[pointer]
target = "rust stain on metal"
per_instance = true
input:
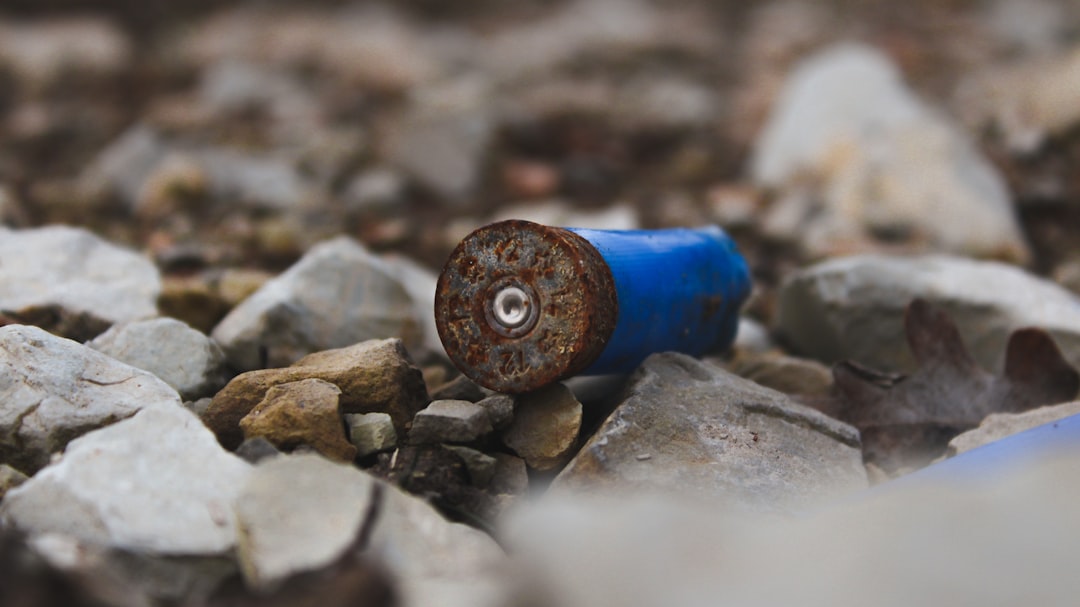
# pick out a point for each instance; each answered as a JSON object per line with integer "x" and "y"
{"x": 520, "y": 305}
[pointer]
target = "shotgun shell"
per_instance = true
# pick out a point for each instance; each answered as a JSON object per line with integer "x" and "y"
{"x": 520, "y": 305}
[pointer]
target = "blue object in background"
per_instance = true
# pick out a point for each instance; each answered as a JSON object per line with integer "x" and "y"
{"x": 677, "y": 290}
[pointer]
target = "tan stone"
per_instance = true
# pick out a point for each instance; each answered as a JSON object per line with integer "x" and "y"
{"x": 374, "y": 376}
{"x": 545, "y": 427}
{"x": 298, "y": 413}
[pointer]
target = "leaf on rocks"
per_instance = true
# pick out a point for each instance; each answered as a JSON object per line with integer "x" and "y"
{"x": 908, "y": 420}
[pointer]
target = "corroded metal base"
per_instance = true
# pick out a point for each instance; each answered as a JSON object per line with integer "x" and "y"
{"x": 520, "y": 305}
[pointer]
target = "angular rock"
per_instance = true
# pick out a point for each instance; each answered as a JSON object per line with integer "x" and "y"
{"x": 338, "y": 294}
{"x": 299, "y": 513}
{"x": 419, "y": 282}
{"x": 304, "y": 412}
{"x": 9, "y": 479}
{"x": 459, "y": 388}
{"x": 511, "y": 475}
{"x": 77, "y": 272}
{"x": 449, "y": 421}
{"x": 255, "y": 450}
{"x": 53, "y": 390}
{"x": 371, "y": 433}
{"x": 690, "y": 427}
{"x": 545, "y": 427}
{"x": 480, "y": 465}
{"x": 156, "y": 482}
{"x": 500, "y": 410}
{"x": 888, "y": 165}
{"x": 1000, "y": 425}
{"x": 787, "y": 374}
{"x": 374, "y": 376}
{"x": 186, "y": 359}
{"x": 853, "y": 308}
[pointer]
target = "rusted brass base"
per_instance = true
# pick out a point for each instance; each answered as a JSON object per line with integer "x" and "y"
{"x": 558, "y": 271}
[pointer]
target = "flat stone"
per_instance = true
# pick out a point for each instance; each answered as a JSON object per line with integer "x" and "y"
{"x": 156, "y": 482}
{"x": 374, "y": 376}
{"x": 853, "y": 308}
{"x": 9, "y": 479}
{"x": 887, "y": 164}
{"x": 545, "y": 427}
{"x": 371, "y": 432}
{"x": 53, "y": 390}
{"x": 298, "y": 513}
{"x": 337, "y": 295}
{"x": 449, "y": 421}
{"x": 691, "y": 427}
{"x": 186, "y": 359}
{"x": 75, "y": 271}
{"x": 999, "y": 425}
{"x": 304, "y": 412}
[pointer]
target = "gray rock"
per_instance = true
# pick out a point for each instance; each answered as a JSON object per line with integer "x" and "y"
{"x": 9, "y": 479}
{"x": 691, "y": 427}
{"x": 338, "y": 294}
{"x": 156, "y": 482}
{"x": 419, "y": 283}
{"x": 511, "y": 475}
{"x": 255, "y": 450}
{"x": 53, "y": 390}
{"x": 994, "y": 541}
{"x": 1000, "y": 425}
{"x": 124, "y": 165}
{"x": 449, "y": 421}
{"x": 376, "y": 189}
{"x": 263, "y": 182}
{"x": 887, "y": 163}
{"x": 752, "y": 336}
{"x": 298, "y": 513}
{"x": 434, "y": 561}
{"x": 500, "y": 410}
{"x": 545, "y": 427}
{"x": 443, "y": 139}
{"x": 480, "y": 465}
{"x": 77, "y": 271}
{"x": 186, "y": 359}
{"x": 371, "y": 432}
{"x": 853, "y": 308}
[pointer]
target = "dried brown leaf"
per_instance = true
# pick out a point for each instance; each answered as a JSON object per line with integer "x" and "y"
{"x": 909, "y": 420}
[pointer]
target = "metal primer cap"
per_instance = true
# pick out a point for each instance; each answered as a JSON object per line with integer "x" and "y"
{"x": 520, "y": 305}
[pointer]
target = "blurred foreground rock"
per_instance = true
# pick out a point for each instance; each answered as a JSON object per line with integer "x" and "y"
{"x": 691, "y": 428}
{"x": 1005, "y": 540}
{"x": 853, "y": 308}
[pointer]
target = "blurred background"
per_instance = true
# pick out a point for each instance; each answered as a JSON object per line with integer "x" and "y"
{"x": 226, "y": 135}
